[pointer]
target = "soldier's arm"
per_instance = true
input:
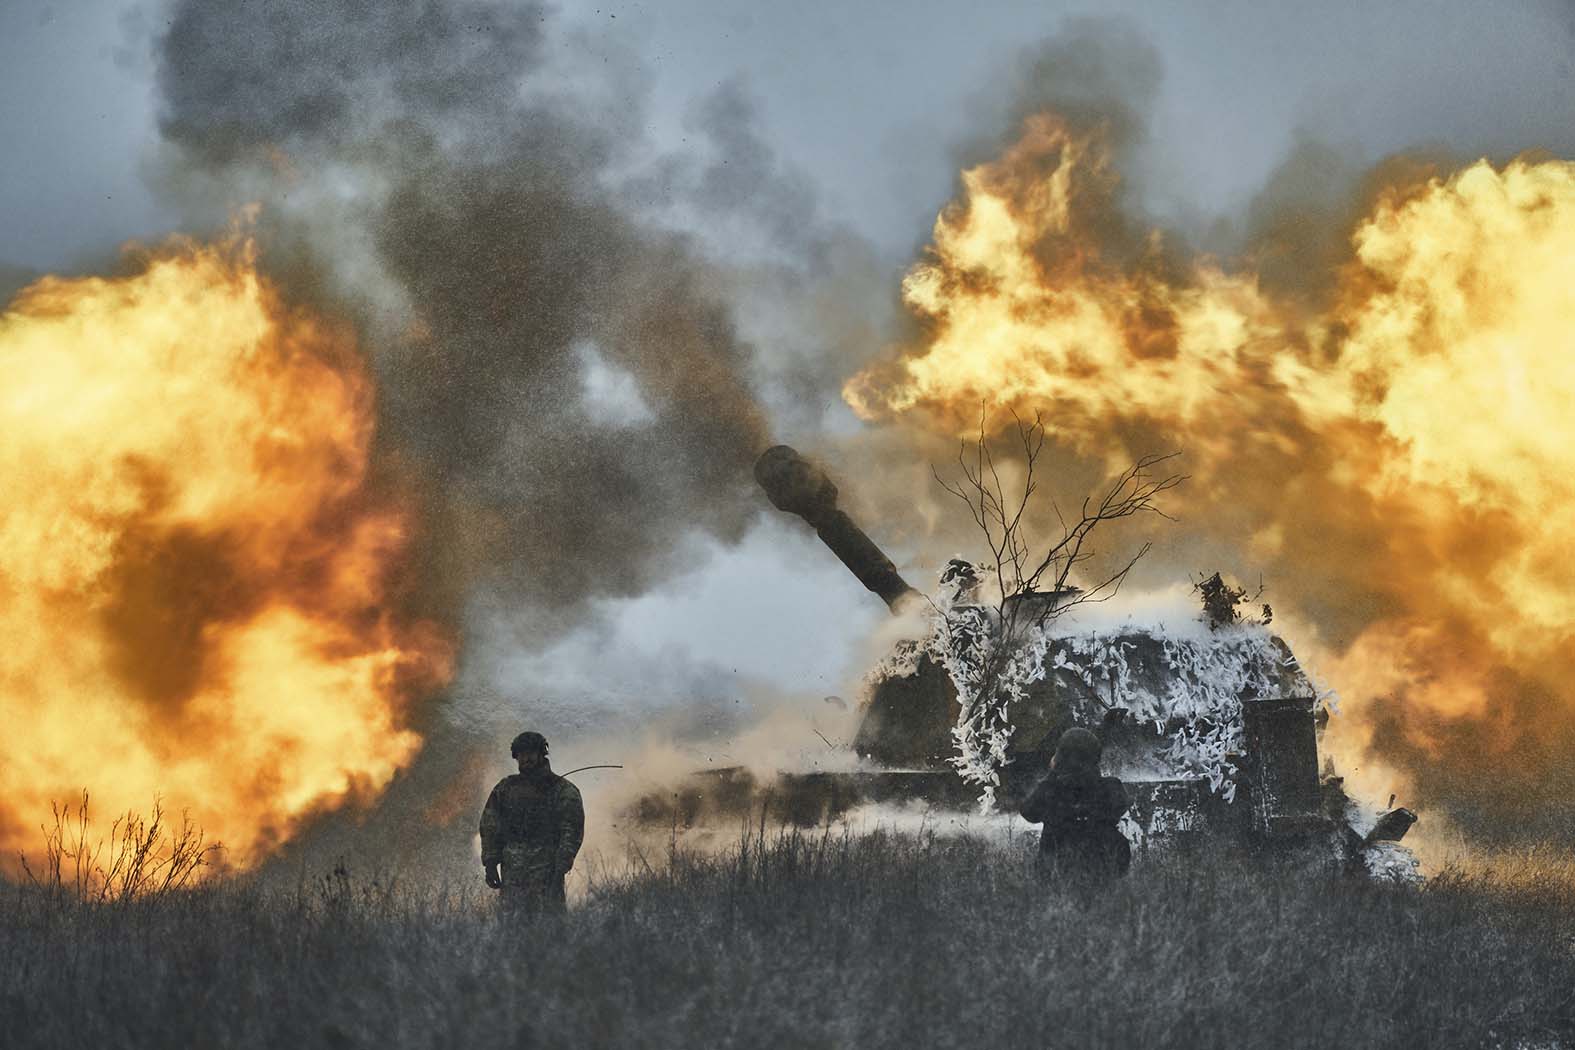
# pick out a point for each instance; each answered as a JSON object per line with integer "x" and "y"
{"x": 1036, "y": 807}
{"x": 491, "y": 828}
{"x": 571, "y": 825}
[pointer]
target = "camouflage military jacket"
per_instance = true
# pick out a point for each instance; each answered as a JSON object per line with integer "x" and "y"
{"x": 533, "y": 826}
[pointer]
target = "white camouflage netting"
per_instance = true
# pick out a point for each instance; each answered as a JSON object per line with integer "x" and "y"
{"x": 1186, "y": 680}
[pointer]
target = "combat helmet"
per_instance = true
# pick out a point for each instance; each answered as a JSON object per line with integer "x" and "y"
{"x": 529, "y": 741}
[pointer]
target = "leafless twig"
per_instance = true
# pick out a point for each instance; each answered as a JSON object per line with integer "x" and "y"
{"x": 1023, "y": 568}
{"x": 1026, "y": 568}
{"x": 140, "y": 858}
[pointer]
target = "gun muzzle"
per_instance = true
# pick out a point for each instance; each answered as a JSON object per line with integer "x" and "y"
{"x": 797, "y": 486}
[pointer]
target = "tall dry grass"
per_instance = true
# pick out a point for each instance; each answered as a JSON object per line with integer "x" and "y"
{"x": 796, "y": 940}
{"x": 141, "y": 857}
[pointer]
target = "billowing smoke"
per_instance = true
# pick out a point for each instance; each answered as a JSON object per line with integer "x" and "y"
{"x": 559, "y": 322}
{"x": 560, "y": 375}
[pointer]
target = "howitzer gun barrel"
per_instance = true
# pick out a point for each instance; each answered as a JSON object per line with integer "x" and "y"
{"x": 797, "y": 486}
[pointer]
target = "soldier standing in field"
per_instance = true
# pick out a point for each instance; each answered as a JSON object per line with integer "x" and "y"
{"x": 1080, "y": 810}
{"x": 531, "y": 829}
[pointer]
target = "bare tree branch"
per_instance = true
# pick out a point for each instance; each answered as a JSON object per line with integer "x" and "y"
{"x": 1025, "y": 566}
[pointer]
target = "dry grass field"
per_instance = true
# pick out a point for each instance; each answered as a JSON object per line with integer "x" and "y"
{"x": 883, "y": 940}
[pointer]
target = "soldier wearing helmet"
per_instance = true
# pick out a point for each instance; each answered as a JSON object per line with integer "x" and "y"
{"x": 531, "y": 830}
{"x": 1080, "y": 810}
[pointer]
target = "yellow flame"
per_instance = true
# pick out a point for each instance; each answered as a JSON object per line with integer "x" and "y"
{"x": 194, "y": 573}
{"x": 1021, "y": 309}
{"x": 1407, "y": 446}
{"x": 1459, "y": 326}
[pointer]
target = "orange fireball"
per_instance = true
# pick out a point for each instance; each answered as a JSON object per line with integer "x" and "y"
{"x": 1399, "y": 459}
{"x": 196, "y": 579}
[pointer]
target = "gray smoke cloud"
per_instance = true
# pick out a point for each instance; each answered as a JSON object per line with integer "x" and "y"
{"x": 1095, "y": 70}
{"x": 13, "y": 279}
{"x": 562, "y": 376}
{"x": 480, "y": 206}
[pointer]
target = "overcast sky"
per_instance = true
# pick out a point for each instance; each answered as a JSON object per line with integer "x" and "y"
{"x": 867, "y": 100}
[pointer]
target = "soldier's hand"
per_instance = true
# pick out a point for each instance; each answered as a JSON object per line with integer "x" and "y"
{"x": 493, "y": 878}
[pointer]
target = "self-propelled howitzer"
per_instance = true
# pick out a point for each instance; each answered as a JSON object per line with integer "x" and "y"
{"x": 1161, "y": 699}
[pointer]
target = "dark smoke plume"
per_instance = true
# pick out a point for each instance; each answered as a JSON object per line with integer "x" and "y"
{"x": 562, "y": 380}
{"x": 484, "y": 203}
